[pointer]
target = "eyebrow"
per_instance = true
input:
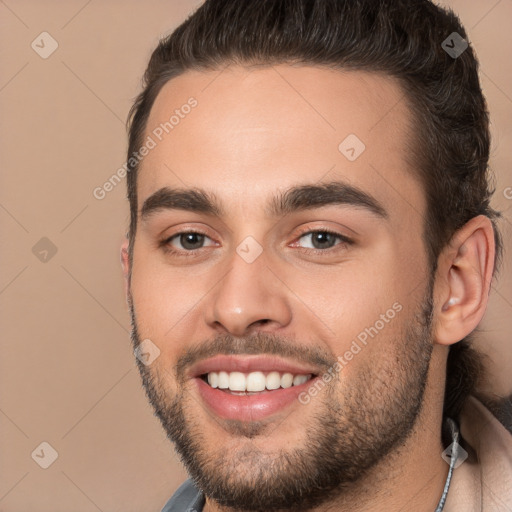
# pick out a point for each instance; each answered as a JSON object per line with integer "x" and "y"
{"x": 294, "y": 199}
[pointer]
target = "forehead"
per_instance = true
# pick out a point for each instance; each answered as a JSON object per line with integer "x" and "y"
{"x": 252, "y": 130}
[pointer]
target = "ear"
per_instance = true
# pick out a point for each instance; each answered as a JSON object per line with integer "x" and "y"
{"x": 463, "y": 281}
{"x": 125, "y": 265}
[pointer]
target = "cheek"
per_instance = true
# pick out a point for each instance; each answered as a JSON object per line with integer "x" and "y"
{"x": 155, "y": 301}
{"x": 350, "y": 298}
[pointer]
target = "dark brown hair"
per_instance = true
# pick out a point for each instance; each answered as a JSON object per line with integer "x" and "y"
{"x": 400, "y": 38}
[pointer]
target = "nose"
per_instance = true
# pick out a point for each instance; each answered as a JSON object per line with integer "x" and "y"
{"x": 248, "y": 297}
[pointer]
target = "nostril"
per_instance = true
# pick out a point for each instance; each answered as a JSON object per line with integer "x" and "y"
{"x": 261, "y": 322}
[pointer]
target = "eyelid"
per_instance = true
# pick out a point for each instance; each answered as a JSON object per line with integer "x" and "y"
{"x": 321, "y": 229}
{"x": 344, "y": 240}
{"x": 194, "y": 231}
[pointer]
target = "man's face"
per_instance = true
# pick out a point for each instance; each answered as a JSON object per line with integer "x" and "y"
{"x": 282, "y": 286}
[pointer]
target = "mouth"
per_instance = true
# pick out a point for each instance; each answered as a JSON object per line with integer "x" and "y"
{"x": 251, "y": 388}
{"x": 239, "y": 383}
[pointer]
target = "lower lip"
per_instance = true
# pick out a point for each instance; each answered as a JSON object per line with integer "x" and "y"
{"x": 248, "y": 408}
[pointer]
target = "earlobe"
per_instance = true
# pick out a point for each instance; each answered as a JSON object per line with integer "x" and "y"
{"x": 463, "y": 281}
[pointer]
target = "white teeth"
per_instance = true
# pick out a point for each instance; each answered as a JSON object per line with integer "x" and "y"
{"x": 286, "y": 380}
{"x": 273, "y": 380}
{"x": 237, "y": 381}
{"x": 255, "y": 381}
{"x": 223, "y": 380}
{"x": 300, "y": 379}
{"x": 213, "y": 379}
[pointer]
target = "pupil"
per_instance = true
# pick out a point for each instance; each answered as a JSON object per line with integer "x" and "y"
{"x": 322, "y": 237}
{"x": 191, "y": 239}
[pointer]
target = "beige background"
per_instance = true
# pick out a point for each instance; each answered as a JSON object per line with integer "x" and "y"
{"x": 67, "y": 374}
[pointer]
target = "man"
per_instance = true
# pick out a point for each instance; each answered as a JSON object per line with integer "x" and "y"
{"x": 311, "y": 246}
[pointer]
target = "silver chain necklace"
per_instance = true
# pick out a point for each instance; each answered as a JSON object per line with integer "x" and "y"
{"x": 453, "y": 459}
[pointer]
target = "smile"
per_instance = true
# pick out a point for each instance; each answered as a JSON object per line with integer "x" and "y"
{"x": 254, "y": 382}
{"x": 250, "y": 388}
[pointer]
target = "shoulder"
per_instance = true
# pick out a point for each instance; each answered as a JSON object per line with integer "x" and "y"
{"x": 483, "y": 481}
{"x": 188, "y": 498}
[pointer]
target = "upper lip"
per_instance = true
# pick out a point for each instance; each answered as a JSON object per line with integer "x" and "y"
{"x": 248, "y": 364}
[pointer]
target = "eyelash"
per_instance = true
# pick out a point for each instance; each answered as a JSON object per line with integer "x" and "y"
{"x": 344, "y": 241}
{"x": 165, "y": 244}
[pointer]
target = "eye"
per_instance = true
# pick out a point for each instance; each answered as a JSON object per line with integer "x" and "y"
{"x": 322, "y": 240}
{"x": 186, "y": 241}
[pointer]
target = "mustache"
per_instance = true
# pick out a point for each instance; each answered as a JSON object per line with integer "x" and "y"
{"x": 261, "y": 343}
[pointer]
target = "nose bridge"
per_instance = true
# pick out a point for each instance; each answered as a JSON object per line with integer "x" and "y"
{"x": 248, "y": 293}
